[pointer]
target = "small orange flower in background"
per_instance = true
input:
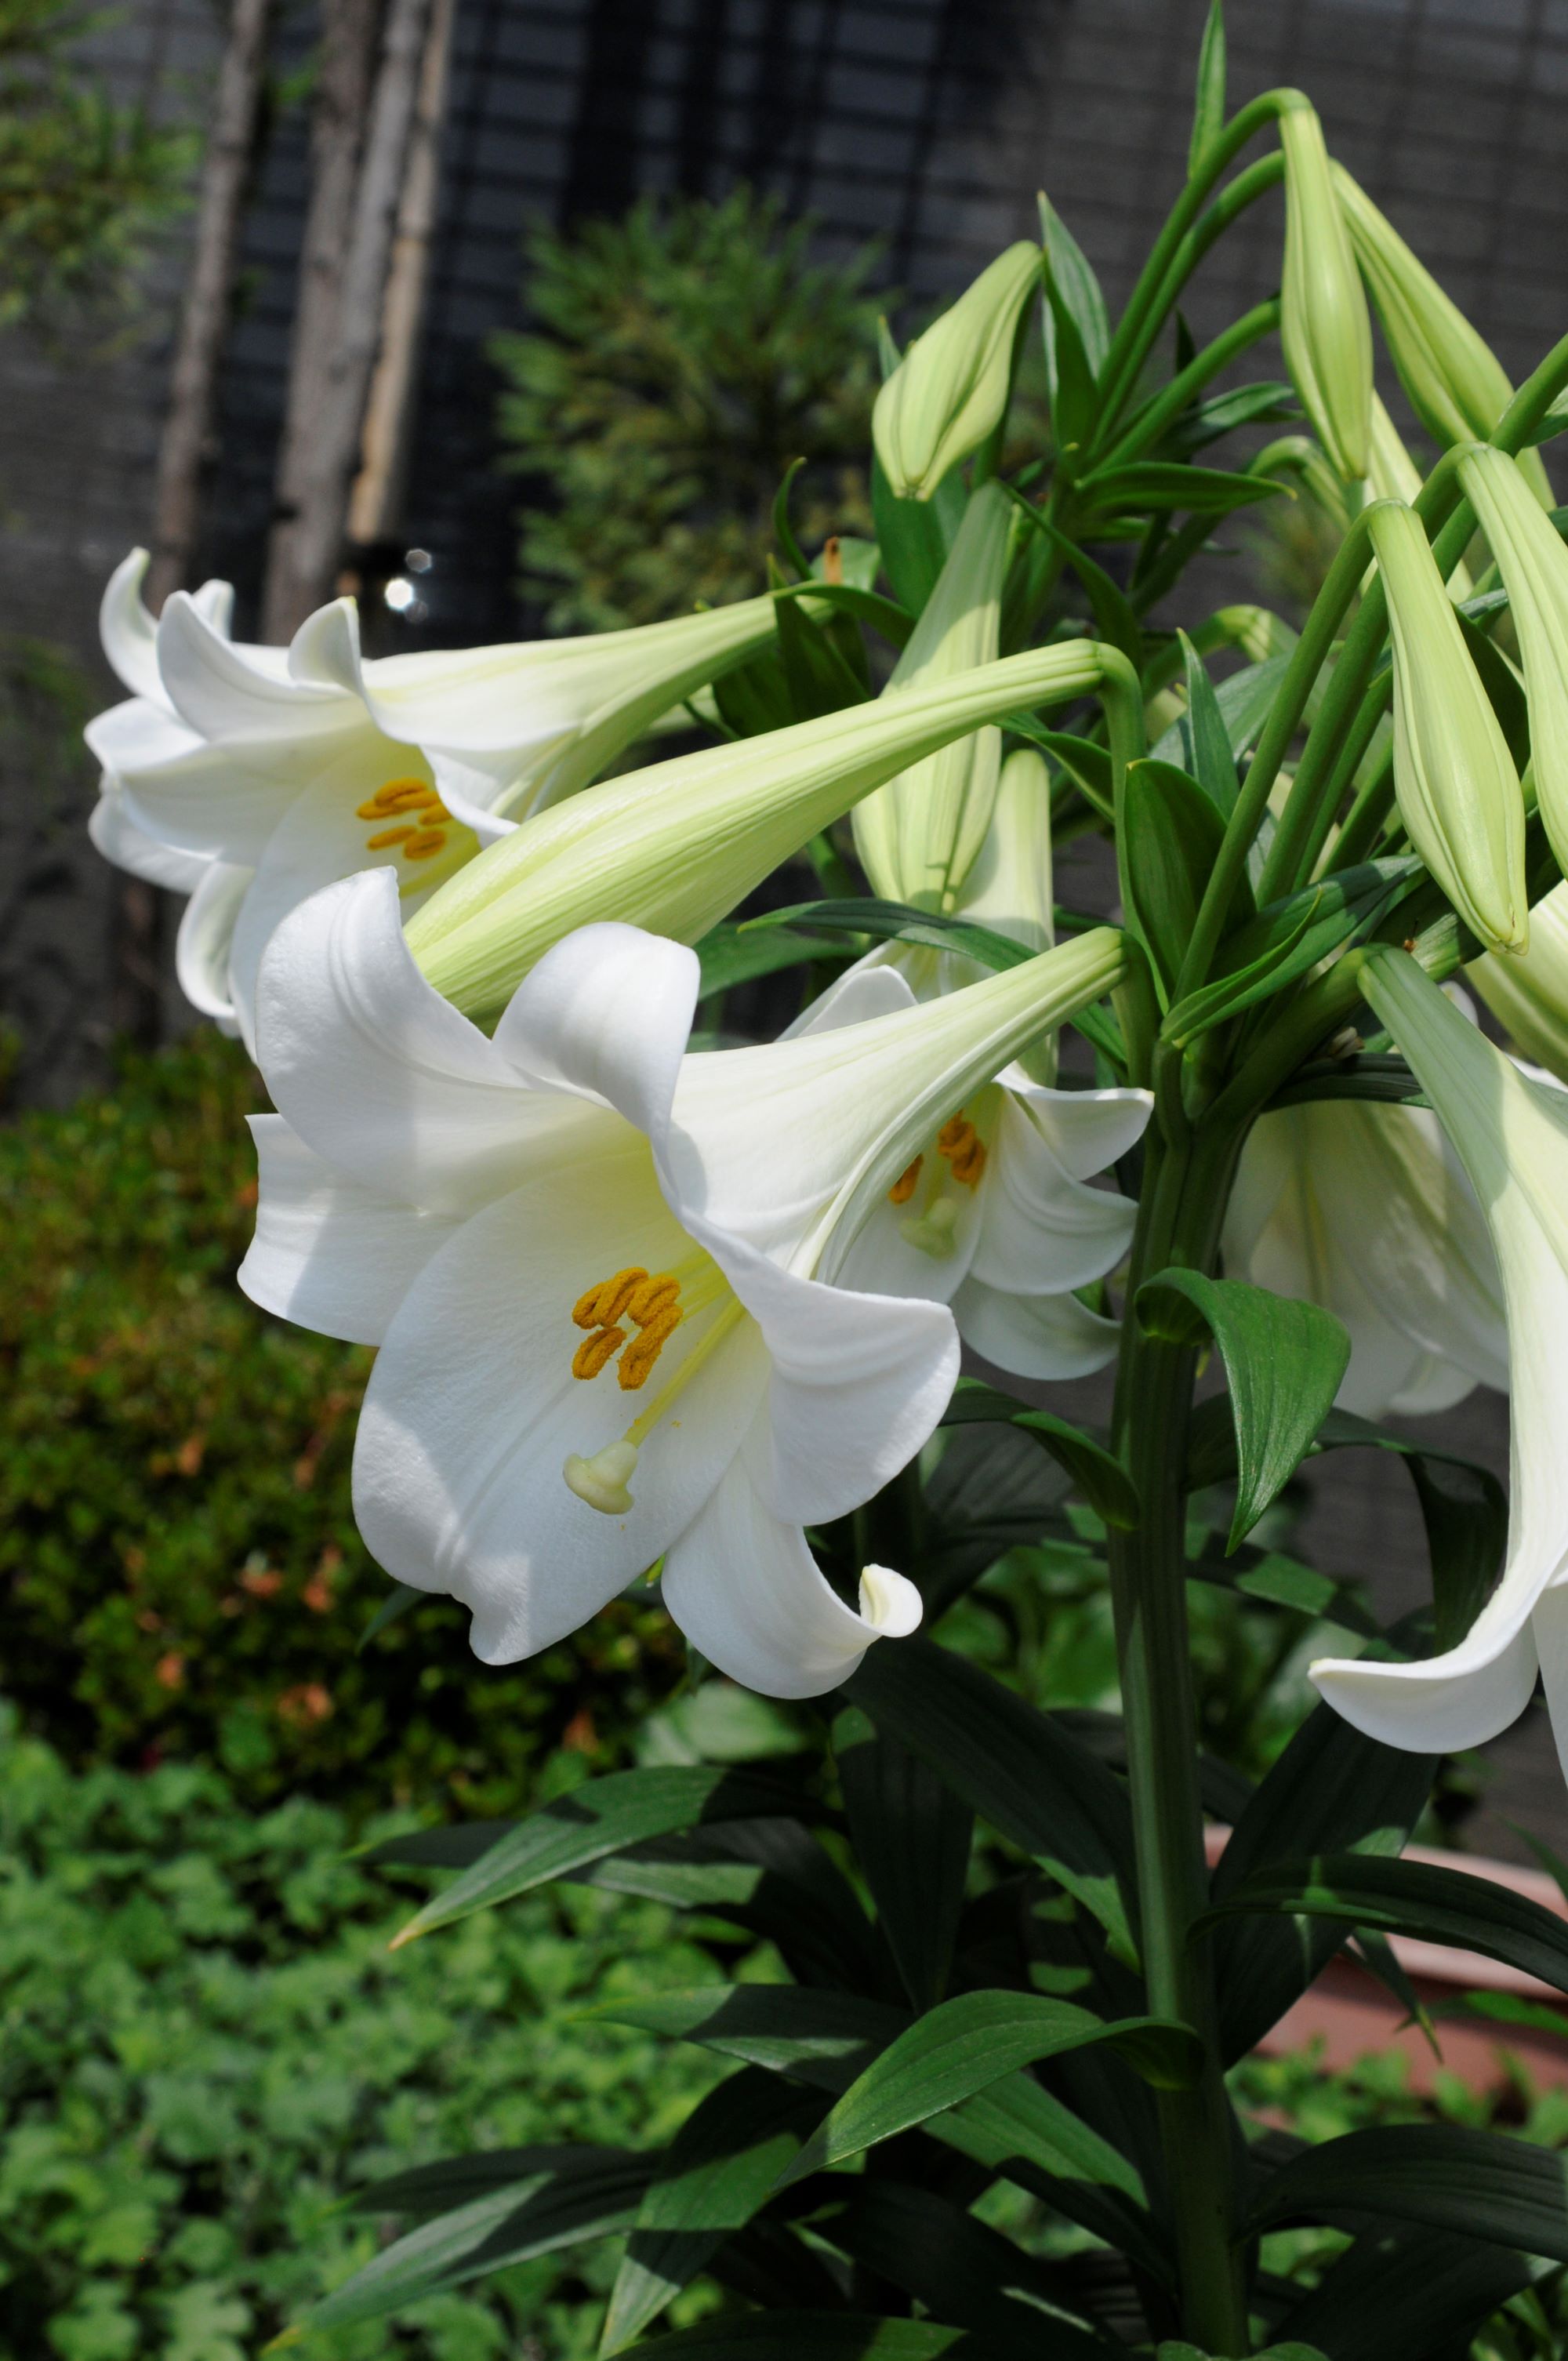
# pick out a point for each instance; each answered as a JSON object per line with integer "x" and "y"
{"x": 319, "y": 1592}
{"x": 170, "y": 1669}
{"x": 305, "y": 1704}
{"x": 261, "y": 1581}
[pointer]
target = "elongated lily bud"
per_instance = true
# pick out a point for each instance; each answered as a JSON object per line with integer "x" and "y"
{"x": 1323, "y": 322}
{"x": 1456, "y": 385}
{"x": 1534, "y": 566}
{"x": 1009, "y": 888}
{"x": 1530, "y": 994}
{"x": 949, "y": 392}
{"x": 675, "y": 847}
{"x": 918, "y": 836}
{"x": 1458, "y": 792}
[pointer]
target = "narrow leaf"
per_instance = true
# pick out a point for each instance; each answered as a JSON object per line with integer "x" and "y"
{"x": 893, "y": 922}
{"x": 603, "y": 1816}
{"x": 1284, "y": 1364}
{"x": 1073, "y": 276}
{"x": 1289, "y": 938}
{"x": 730, "y": 957}
{"x": 1171, "y": 836}
{"x": 962, "y": 2046}
{"x": 914, "y": 536}
{"x": 826, "y": 2336}
{"x": 1202, "y": 725}
{"x": 1102, "y": 1480}
{"x": 393, "y": 1607}
{"x": 1164, "y": 485}
{"x": 1417, "y": 2294}
{"x": 912, "y": 1837}
{"x": 1476, "y": 2184}
{"x": 1113, "y": 617}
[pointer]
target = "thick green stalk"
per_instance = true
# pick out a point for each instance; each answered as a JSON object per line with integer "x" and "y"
{"x": 1183, "y": 1199}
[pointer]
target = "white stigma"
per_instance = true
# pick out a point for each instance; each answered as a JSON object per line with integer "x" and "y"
{"x": 602, "y": 1480}
{"x": 932, "y": 1231}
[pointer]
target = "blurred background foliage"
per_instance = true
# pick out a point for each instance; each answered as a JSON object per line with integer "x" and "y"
{"x": 679, "y": 359}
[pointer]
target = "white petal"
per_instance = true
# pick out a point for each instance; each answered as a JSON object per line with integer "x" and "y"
{"x": 1432, "y": 1385}
{"x": 857, "y": 1384}
{"x": 325, "y": 650}
{"x": 214, "y": 604}
{"x": 222, "y": 801}
{"x": 863, "y": 991}
{"x": 472, "y": 1410}
{"x": 129, "y": 736}
{"x": 329, "y": 1254}
{"x": 1086, "y": 1130}
{"x": 127, "y": 630}
{"x": 383, "y": 1077}
{"x": 322, "y": 838}
{"x": 224, "y": 691}
{"x": 746, "y": 1590}
{"x": 1447, "y": 1702}
{"x": 1033, "y": 1336}
{"x": 1042, "y": 1231}
{"x": 205, "y": 938}
{"x": 606, "y": 1013}
{"x": 117, "y": 836}
{"x": 882, "y": 1259}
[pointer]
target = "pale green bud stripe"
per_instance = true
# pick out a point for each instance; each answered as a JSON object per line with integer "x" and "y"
{"x": 1458, "y": 792}
{"x": 1323, "y": 325}
{"x": 675, "y": 847}
{"x": 950, "y": 390}
{"x": 966, "y": 1040}
{"x": 1533, "y": 564}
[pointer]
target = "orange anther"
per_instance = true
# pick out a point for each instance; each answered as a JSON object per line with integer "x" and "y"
{"x": 608, "y": 1297}
{"x": 595, "y": 1351}
{"x": 654, "y": 1296}
{"x": 908, "y": 1180}
{"x": 953, "y": 1133}
{"x": 644, "y": 1350}
{"x": 380, "y": 842}
{"x": 424, "y": 842}
{"x": 969, "y": 1162}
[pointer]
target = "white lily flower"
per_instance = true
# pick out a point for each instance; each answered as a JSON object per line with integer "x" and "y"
{"x": 536, "y": 1226}
{"x": 994, "y": 1215}
{"x": 301, "y": 766}
{"x": 1511, "y": 1135}
{"x": 1529, "y": 991}
{"x": 1367, "y": 1211}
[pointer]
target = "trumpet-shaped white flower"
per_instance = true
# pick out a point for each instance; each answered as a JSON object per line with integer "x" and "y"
{"x": 1511, "y": 1135}
{"x": 281, "y": 771}
{"x": 1367, "y": 1211}
{"x": 993, "y": 1216}
{"x": 596, "y": 1268}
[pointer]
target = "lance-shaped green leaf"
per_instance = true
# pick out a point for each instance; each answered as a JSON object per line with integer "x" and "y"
{"x": 730, "y": 957}
{"x": 1170, "y": 842}
{"x": 1243, "y": 699}
{"x": 1166, "y": 488}
{"x": 961, "y": 2270}
{"x": 820, "y": 2037}
{"x": 714, "y": 2177}
{"x": 1478, "y": 2184}
{"x": 1331, "y": 1790}
{"x": 892, "y": 922}
{"x": 1419, "y": 2293}
{"x": 1205, "y": 736}
{"x": 912, "y": 1837}
{"x": 914, "y": 536}
{"x": 1113, "y": 617}
{"x": 1016, "y": 1767}
{"x": 1072, "y": 275}
{"x": 1287, "y": 939}
{"x": 962, "y": 2046}
{"x": 674, "y": 847}
{"x": 1324, "y": 328}
{"x": 598, "y": 2194}
{"x": 1284, "y": 1362}
{"x": 1412, "y": 1898}
{"x": 603, "y": 1816}
{"x": 456, "y": 2180}
{"x": 1102, "y": 1479}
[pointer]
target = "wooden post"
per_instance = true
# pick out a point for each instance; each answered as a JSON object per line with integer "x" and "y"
{"x": 330, "y": 453}
{"x": 350, "y": 29}
{"x": 193, "y": 388}
{"x": 376, "y": 502}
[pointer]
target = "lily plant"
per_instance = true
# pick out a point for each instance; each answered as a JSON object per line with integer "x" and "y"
{"x": 1114, "y": 958}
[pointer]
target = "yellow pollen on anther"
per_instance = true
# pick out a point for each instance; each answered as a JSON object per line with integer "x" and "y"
{"x": 594, "y": 1351}
{"x": 386, "y": 836}
{"x": 653, "y": 1303}
{"x": 908, "y": 1180}
{"x": 965, "y": 1150}
{"x": 603, "y": 1303}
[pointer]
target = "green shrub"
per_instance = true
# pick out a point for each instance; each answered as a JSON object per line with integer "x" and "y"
{"x": 208, "y": 2046}
{"x": 680, "y": 359}
{"x": 180, "y": 1574}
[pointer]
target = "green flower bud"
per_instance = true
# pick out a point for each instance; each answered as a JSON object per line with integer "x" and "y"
{"x": 949, "y": 392}
{"x": 1458, "y": 792}
{"x": 918, "y": 837}
{"x": 1528, "y": 993}
{"x": 674, "y": 847}
{"x": 1323, "y": 322}
{"x": 1455, "y": 381}
{"x": 1534, "y": 566}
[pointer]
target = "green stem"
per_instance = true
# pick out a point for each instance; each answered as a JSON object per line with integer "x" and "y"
{"x": 1533, "y": 400}
{"x": 1183, "y": 1199}
{"x": 1150, "y": 422}
{"x": 1158, "y": 285}
{"x": 1366, "y": 815}
{"x": 1307, "y": 660}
